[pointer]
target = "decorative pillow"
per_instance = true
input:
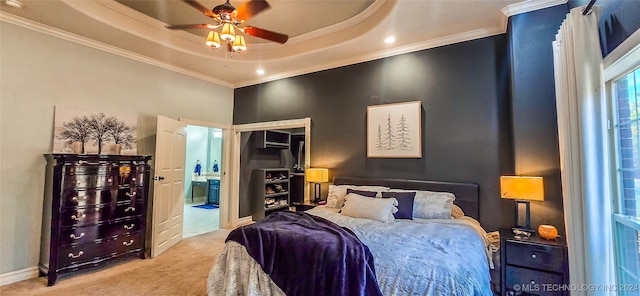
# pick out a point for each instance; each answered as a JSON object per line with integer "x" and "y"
{"x": 456, "y": 212}
{"x": 362, "y": 192}
{"x": 405, "y": 203}
{"x": 335, "y": 198}
{"x": 379, "y": 209}
{"x": 431, "y": 204}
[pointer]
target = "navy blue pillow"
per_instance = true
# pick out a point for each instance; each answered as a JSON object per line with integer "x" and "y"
{"x": 405, "y": 203}
{"x": 362, "y": 192}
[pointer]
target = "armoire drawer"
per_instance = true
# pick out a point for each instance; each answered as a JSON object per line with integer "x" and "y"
{"x": 90, "y": 252}
{"x": 135, "y": 178}
{"x": 82, "y": 198}
{"x": 88, "y": 169}
{"x": 94, "y": 215}
{"x": 87, "y": 181}
{"x": 86, "y": 234}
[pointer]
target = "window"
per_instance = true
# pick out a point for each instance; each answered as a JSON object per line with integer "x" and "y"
{"x": 626, "y": 216}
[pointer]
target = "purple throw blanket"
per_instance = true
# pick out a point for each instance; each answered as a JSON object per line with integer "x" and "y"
{"x": 308, "y": 255}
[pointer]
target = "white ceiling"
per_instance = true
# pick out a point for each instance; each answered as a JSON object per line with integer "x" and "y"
{"x": 323, "y": 34}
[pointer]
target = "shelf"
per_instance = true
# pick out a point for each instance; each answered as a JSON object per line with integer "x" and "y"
{"x": 278, "y": 190}
{"x": 274, "y": 143}
{"x": 276, "y": 194}
{"x": 278, "y": 207}
{"x": 272, "y": 139}
{"x": 276, "y": 181}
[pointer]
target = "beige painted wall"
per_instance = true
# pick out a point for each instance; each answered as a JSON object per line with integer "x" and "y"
{"x": 37, "y": 72}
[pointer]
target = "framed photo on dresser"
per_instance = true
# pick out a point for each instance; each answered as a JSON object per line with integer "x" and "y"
{"x": 79, "y": 131}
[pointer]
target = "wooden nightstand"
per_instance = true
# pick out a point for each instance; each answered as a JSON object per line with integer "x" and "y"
{"x": 304, "y": 206}
{"x": 533, "y": 266}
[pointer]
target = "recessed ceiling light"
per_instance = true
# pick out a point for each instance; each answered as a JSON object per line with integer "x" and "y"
{"x": 14, "y": 3}
{"x": 389, "y": 40}
{"x": 260, "y": 71}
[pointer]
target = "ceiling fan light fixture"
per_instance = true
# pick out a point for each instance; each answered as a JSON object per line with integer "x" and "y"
{"x": 226, "y": 21}
{"x": 228, "y": 33}
{"x": 213, "y": 39}
{"x": 239, "y": 44}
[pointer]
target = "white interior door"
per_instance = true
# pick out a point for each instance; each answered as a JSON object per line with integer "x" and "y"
{"x": 168, "y": 199}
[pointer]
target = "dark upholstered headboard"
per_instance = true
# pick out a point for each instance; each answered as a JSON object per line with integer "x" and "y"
{"x": 467, "y": 195}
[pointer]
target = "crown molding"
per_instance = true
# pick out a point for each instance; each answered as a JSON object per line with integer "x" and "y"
{"x": 530, "y": 5}
{"x": 51, "y": 31}
{"x": 446, "y": 40}
{"x": 136, "y": 23}
{"x": 146, "y": 22}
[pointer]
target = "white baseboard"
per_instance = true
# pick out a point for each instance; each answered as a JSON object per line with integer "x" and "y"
{"x": 18, "y": 275}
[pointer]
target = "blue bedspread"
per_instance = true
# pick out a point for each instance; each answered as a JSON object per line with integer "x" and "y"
{"x": 438, "y": 257}
{"x": 309, "y": 255}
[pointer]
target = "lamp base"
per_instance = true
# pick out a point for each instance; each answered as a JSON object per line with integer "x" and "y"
{"x": 318, "y": 194}
{"x": 522, "y": 222}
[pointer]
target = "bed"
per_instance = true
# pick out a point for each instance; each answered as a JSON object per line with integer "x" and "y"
{"x": 412, "y": 257}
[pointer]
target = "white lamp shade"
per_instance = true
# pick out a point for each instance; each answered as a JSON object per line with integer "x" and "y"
{"x": 317, "y": 175}
{"x": 239, "y": 44}
{"x": 521, "y": 187}
{"x": 228, "y": 33}
{"x": 213, "y": 39}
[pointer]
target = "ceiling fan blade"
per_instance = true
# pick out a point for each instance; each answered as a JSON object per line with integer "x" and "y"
{"x": 266, "y": 34}
{"x": 193, "y": 26}
{"x": 200, "y": 7}
{"x": 251, "y": 8}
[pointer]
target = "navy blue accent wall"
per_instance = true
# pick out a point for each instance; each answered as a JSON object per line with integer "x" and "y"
{"x": 535, "y": 125}
{"x": 618, "y": 20}
{"x": 466, "y": 128}
{"x": 488, "y": 109}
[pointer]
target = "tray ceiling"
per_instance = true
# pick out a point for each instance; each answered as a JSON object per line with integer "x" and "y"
{"x": 322, "y": 34}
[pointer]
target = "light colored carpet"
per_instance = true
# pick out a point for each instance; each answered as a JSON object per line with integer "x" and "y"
{"x": 181, "y": 270}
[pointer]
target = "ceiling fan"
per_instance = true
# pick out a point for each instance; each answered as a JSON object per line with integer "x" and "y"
{"x": 232, "y": 19}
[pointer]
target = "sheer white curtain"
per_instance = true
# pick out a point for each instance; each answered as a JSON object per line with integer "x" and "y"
{"x": 581, "y": 107}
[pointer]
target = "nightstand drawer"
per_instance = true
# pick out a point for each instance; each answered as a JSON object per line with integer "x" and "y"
{"x": 532, "y": 281}
{"x": 537, "y": 256}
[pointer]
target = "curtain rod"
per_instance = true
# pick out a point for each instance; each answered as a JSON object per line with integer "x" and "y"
{"x": 587, "y": 10}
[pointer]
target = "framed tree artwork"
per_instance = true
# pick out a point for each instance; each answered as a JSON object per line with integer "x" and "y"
{"x": 394, "y": 130}
{"x": 93, "y": 132}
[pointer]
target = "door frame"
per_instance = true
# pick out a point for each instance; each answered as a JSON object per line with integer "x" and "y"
{"x": 224, "y": 217}
{"x": 234, "y": 201}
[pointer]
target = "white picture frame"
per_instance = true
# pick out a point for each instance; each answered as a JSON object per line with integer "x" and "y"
{"x": 394, "y": 130}
{"x": 76, "y": 131}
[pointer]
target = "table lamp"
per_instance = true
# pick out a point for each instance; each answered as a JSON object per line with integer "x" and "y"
{"x": 522, "y": 189}
{"x": 317, "y": 176}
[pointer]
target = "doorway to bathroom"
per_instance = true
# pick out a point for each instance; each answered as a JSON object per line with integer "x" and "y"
{"x": 203, "y": 169}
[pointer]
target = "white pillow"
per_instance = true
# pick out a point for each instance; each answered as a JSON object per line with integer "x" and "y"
{"x": 379, "y": 209}
{"x": 431, "y": 204}
{"x": 335, "y": 198}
